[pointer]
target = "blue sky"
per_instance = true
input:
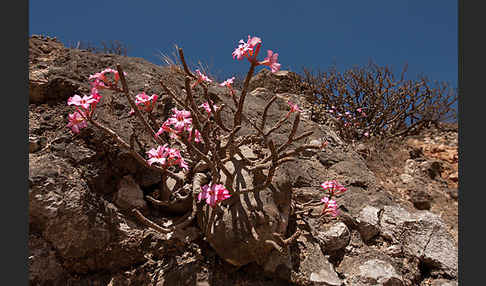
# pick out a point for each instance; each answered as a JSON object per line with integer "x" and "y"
{"x": 315, "y": 34}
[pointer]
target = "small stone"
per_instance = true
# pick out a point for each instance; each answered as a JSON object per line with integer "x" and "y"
{"x": 368, "y": 223}
{"x": 421, "y": 200}
{"x": 335, "y": 237}
{"x": 406, "y": 178}
{"x": 380, "y": 272}
{"x": 129, "y": 194}
{"x": 443, "y": 282}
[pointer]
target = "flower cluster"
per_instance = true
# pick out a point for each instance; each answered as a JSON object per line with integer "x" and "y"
{"x": 207, "y": 107}
{"x": 78, "y": 119}
{"x": 333, "y": 188}
{"x": 100, "y": 80}
{"x": 250, "y": 51}
{"x": 85, "y": 107}
{"x": 179, "y": 123}
{"x": 145, "y": 102}
{"x": 200, "y": 78}
{"x": 166, "y": 157}
{"x": 213, "y": 194}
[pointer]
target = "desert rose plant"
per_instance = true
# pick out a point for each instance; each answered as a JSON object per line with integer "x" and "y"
{"x": 198, "y": 141}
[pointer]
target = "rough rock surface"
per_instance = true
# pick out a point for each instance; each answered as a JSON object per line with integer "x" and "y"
{"x": 81, "y": 188}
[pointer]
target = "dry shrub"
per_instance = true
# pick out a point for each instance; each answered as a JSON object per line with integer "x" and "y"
{"x": 393, "y": 106}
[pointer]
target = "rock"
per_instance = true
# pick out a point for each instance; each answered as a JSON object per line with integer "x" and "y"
{"x": 423, "y": 235}
{"x": 443, "y": 282}
{"x": 267, "y": 212}
{"x": 129, "y": 195}
{"x": 313, "y": 267}
{"x": 373, "y": 272}
{"x": 421, "y": 199}
{"x": 148, "y": 178}
{"x": 368, "y": 222}
{"x": 44, "y": 267}
{"x": 432, "y": 168}
{"x": 328, "y": 157}
{"x": 453, "y": 193}
{"x": 334, "y": 237}
{"x": 416, "y": 152}
{"x": 279, "y": 82}
{"x": 35, "y": 144}
{"x": 454, "y": 176}
{"x": 354, "y": 172}
{"x": 85, "y": 231}
{"x": 406, "y": 178}
{"x": 410, "y": 167}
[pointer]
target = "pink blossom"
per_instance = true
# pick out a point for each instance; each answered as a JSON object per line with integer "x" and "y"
{"x": 84, "y": 101}
{"x": 359, "y": 109}
{"x": 101, "y": 81}
{"x": 228, "y": 82}
{"x": 158, "y": 155}
{"x": 77, "y": 121}
{"x": 333, "y": 187}
{"x": 293, "y": 108}
{"x": 247, "y": 49}
{"x": 174, "y": 158}
{"x": 166, "y": 157}
{"x": 181, "y": 119}
{"x": 271, "y": 61}
{"x": 207, "y": 107}
{"x": 330, "y": 206}
{"x": 197, "y": 135}
{"x": 164, "y": 128}
{"x": 145, "y": 102}
{"x": 213, "y": 194}
{"x": 200, "y": 78}
{"x": 366, "y": 134}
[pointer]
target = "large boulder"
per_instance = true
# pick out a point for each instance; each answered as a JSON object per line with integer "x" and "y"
{"x": 87, "y": 232}
{"x": 267, "y": 212}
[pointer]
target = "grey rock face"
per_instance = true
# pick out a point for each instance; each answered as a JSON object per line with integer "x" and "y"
{"x": 371, "y": 271}
{"x": 335, "y": 236}
{"x": 314, "y": 268}
{"x": 129, "y": 194}
{"x": 423, "y": 235}
{"x": 84, "y": 230}
{"x": 266, "y": 211}
{"x": 443, "y": 282}
{"x": 368, "y": 223}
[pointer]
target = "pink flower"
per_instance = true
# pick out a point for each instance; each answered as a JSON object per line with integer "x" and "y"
{"x": 208, "y": 108}
{"x": 293, "y": 108}
{"x": 366, "y": 134}
{"x": 77, "y": 121}
{"x": 271, "y": 61}
{"x": 85, "y": 101}
{"x": 164, "y": 128}
{"x": 181, "y": 119}
{"x": 359, "y": 109}
{"x": 333, "y": 187}
{"x": 197, "y": 135}
{"x": 101, "y": 81}
{"x": 247, "y": 49}
{"x": 174, "y": 158}
{"x": 330, "y": 206}
{"x": 213, "y": 194}
{"x": 228, "y": 82}
{"x": 158, "y": 155}
{"x": 200, "y": 78}
{"x": 145, "y": 102}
